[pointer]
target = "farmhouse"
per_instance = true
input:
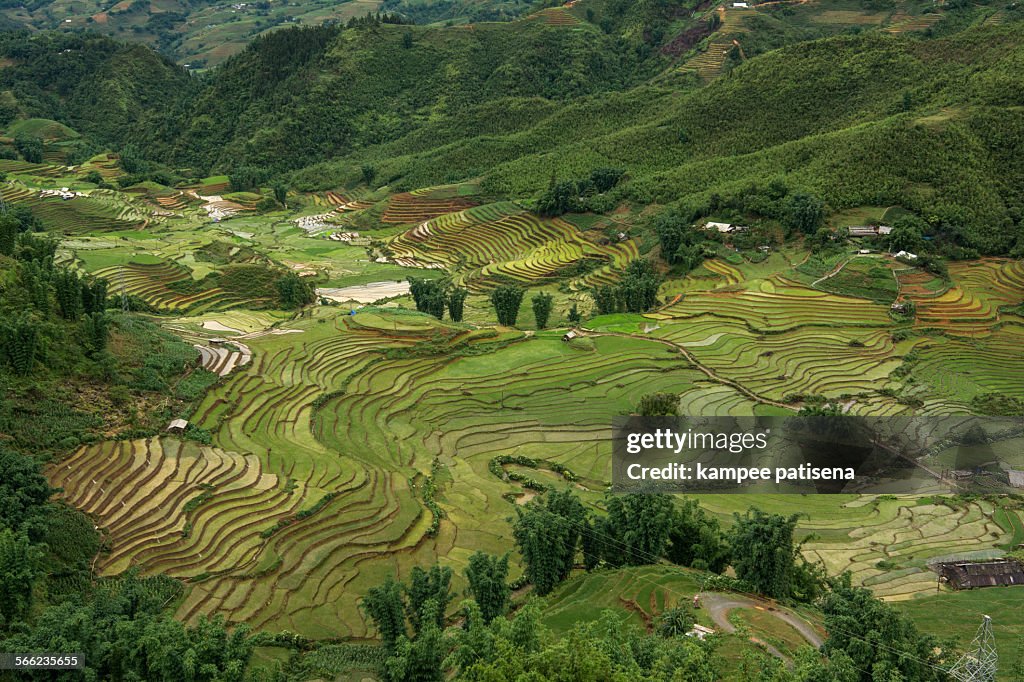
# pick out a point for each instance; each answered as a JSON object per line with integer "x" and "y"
{"x": 900, "y": 308}
{"x": 569, "y": 335}
{"x": 725, "y": 228}
{"x": 869, "y": 230}
{"x": 966, "y": 575}
{"x": 177, "y": 426}
{"x": 905, "y": 254}
{"x": 1016, "y": 478}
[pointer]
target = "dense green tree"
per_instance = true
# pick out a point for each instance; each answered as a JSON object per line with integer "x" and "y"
{"x": 880, "y": 641}
{"x": 132, "y": 160}
{"x": 95, "y": 333}
{"x": 907, "y": 235}
{"x": 487, "y": 576}
{"x": 456, "y": 303}
{"x": 428, "y": 586}
{"x": 34, "y": 248}
{"x": 20, "y": 567}
{"x": 604, "y": 179}
{"x": 764, "y": 552}
{"x": 658, "y": 405}
{"x": 637, "y": 527}
{"x": 419, "y": 659}
{"x": 560, "y": 197}
{"x": 21, "y": 342}
{"x": 804, "y": 212}
{"x": 566, "y": 505}
{"x": 676, "y": 235}
{"x": 676, "y": 621}
{"x": 68, "y": 287}
{"x": 247, "y": 178}
{"x": 429, "y": 295}
{"x": 294, "y": 291}
{"x": 9, "y": 229}
{"x": 30, "y": 147}
{"x": 281, "y": 195}
{"x": 506, "y": 300}
{"x": 94, "y": 296}
{"x": 124, "y": 635}
{"x": 573, "y": 315}
{"x": 369, "y": 174}
{"x": 385, "y": 605}
{"x": 497, "y": 650}
{"x": 696, "y": 539}
{"x": 547, "y": 533}
{"x": 606, "y": 299}
{"x": 542, "y": 309}
{"x": 638, "y": 289}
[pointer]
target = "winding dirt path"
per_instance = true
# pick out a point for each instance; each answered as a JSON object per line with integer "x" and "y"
{"x": 719, "y": 605}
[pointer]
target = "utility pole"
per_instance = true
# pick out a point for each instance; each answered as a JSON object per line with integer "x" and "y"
{"x": 979, "y": 664}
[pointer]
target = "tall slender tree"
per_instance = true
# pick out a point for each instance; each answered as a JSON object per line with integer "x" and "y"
{"x": 506, "y": 300}
{"x": 488, "y": 584}
{"x": 542, "y": 309}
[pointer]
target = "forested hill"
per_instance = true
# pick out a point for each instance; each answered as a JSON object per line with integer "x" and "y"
{"x": 928, "y": 123}
{"x": 111, "y": 91}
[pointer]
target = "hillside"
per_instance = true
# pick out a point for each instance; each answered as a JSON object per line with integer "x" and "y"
{"x": 309, "y": 361}
{"x": 876, "y": 118}
{"x": 202, "y": 34}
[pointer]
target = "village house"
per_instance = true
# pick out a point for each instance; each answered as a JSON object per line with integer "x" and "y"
{"x": 869, "y": 230}
{"x": 967, "y": 575}
{"x": 177, "y": 427}
{"x": 725, "y": 228}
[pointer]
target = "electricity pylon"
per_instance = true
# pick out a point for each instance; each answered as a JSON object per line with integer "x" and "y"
{"x": 980, "y": 663}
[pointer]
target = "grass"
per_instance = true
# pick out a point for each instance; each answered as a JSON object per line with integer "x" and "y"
{"x": 958, "y": 614}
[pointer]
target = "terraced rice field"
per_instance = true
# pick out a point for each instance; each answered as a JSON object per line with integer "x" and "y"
{"x": 420, "y": 205}
{"x": 805, "y": 360}
{"x": 107, "y": 165}
{"x": 101, "y": 211}
{"x": 778, "y": 304}
{"x": 150, "y": 283}
{"x": 222, "y": 360}
{"x": 356, "y": 461}
{"x": 171, "y": 506}
{"x": 346, "y": 417}
{"x": 502, "y": 241}
{"x": 556, "y": 16}
{"x": 973, "y": 306}
{"x": 903, "y": 24}
{"x": 44, "y": 170}
{"x": 906, "y": 534}
{"x": 709, "y": 63}
{"x": 960, "y": 369}
{"x": 327, "y": 428}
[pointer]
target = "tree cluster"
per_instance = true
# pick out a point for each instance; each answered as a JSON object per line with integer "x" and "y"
{"x": 568, "y": 196}
{"x": 506, "y": 300}
{"x": 636, "y": 291}
{"x": 434, "y": 296}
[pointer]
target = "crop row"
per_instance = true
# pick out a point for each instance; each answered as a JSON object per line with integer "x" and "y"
{"x": 413, "y": 208}
{"x": 779, "y": 304}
